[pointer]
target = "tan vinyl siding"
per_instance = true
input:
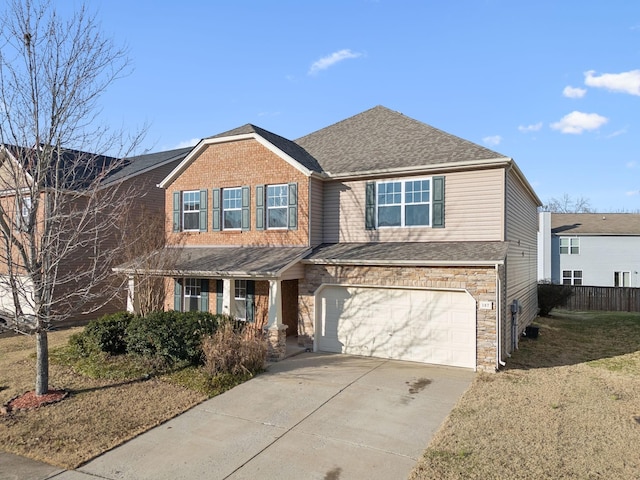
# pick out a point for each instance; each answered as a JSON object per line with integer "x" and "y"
{"x": 473, "y": 211}
{"x": 521, "y": 233}
{"x": 315, "y": 211}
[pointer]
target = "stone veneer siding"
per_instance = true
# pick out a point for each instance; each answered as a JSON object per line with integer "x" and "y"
{"x": 480, "y": 282}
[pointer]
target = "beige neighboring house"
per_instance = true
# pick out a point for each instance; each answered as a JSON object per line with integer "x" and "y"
{"x": 378, "y": 236}
{"x": 138, "y": 174}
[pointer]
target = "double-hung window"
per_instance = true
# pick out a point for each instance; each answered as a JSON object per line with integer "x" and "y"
{"x": 572, "y": 277}
{"x": 404, "y": 203}
{"x": 191, "y": 210}
{"x": 23, "y": 213}
{"x": 277, "y": 206}
{"x": 192, "y": 294}
{"x": 240, "y": 298}
{"x": 621, "y": 279}
{"x": 232, "y": 208}
{"x": 570, "y": 245}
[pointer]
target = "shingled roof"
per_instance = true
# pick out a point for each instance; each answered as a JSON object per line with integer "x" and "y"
{"x": 379, "y": 139}
{"x": 141, "y": 163}
{"x": 595, "y": 223}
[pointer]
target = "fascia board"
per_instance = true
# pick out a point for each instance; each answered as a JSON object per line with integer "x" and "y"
{"x": 406, "y": 263}
{"x": 15, "y": 161}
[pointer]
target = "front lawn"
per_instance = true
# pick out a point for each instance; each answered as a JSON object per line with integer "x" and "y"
{"x": 566, "y": 406}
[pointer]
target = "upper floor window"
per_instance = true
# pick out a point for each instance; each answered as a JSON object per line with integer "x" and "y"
{"x": 404, "y": 203}
{"x": 570, "y": 245}
{"x": 277, "y": 206}
{"x": 191, "y": 210}
{"x": 23, "y": 213}
{"x": 232, "y": 208}
{"x": 572, "y": 277}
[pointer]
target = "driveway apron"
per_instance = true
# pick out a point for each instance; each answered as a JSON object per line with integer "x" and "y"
{"x": 312, "y": 416}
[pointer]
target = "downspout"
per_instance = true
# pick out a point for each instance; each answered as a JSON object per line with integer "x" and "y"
{"x": 499, "y": 361}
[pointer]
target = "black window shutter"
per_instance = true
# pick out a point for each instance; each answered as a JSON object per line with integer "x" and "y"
{"x": 176, "y": 211}
{"x": 204, "y": 295}
{"x": 177, "y": 295}
{"x": 293, "y": 206}
{"x": 370, "y": 206}
{"x": 246, "y": 208}
{"x": 438, "y": 202}
{"x": 260, "y": 207}
{"x": 204, "y": 203}
{"x": 219, "y": 296}
{"x": 215, "y": 223}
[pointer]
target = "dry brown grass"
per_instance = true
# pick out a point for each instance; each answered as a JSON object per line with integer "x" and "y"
{"x": 97, "y": 416}
{"x": 566, "y": 406}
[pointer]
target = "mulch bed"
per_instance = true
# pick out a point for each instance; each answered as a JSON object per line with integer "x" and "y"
{"x": 30, "y": 400}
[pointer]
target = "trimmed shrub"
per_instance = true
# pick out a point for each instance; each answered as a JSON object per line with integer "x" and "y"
{"x": 234, "y": 350}
{"x": 107, "y": 333}
{"x": 551, "y": 295}
{"x": 175, "y": 336}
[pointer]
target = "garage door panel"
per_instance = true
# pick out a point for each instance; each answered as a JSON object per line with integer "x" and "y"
{"x": 427, "y": 326}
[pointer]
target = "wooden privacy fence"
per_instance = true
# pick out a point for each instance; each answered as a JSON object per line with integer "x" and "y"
{"x": 612, "y": 299}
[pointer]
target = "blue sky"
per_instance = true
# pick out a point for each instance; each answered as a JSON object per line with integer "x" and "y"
{"x": 553, "y": 84}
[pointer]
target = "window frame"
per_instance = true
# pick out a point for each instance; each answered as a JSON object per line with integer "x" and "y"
{"x": 622, "y": 278}
{"x": 240, "y": 288}
{"x": 404, "y": 203}
{"x": 572, "y": 277}
{"x": 284, "y": 187}
{"x": 572, "y": 243}
{"x": 188, "y": 285}
{"x": 184, "y": 211}
{"x": 238, "y": 201}
{"x": 23, "y": 212}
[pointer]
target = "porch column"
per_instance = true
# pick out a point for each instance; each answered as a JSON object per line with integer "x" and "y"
{"x": 227, "y": 296}
{"x": 276, "y": 332}
{"x": 131, "y": 291}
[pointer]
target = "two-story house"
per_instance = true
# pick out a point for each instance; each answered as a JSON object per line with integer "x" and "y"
{"x": 595, "y": 249}
{"x": 74, "y": 302}
{"x": 378, "y": 235}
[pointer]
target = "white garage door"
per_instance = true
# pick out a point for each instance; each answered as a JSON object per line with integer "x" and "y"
{"x": 430, "y": 326}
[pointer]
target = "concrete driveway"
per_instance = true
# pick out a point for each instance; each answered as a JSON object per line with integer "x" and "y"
{"x": 312, "y": 416}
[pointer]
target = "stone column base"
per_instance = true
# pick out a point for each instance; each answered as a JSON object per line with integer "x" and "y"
{"x": 276, "y": 342}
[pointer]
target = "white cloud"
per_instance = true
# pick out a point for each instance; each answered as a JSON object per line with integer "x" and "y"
{"x": 530, "y": 128}
{"x": 577, "y": 122}
{"x": 492, "y": 140}
{"x": 622, "y": 131}
{"x": 574, "y": 92}
{"x": 332, "y": 59}
{"x": 187, "y": 143}
{"x": 633, "y": 192}
{"x": 625, "y": 82}
{"x": 632, "y": 164}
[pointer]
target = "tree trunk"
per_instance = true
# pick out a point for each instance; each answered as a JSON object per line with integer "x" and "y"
{"x": 42, "y": 362}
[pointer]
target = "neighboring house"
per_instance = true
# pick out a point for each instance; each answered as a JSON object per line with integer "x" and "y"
{"x": 595, "y": 249}
{"x": 138, "y": 175}
{"x": 379, "y": 235}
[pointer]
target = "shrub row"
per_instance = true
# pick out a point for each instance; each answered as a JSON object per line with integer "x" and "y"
{"x": 174, "y": 336}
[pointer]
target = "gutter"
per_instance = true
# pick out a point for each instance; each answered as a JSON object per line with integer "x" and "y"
{"x": 499, "y": 361}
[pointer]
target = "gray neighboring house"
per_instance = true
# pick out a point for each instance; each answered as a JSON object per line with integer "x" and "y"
{"x": 595, "y": 249}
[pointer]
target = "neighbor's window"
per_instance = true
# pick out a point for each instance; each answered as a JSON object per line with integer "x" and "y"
{"x": 24, "y": 209}
{"x": 192, "y": 294}
{"x": 572, "y": 277}
{"x": 232, "y": 208}
{"x": 277, "y": 206}
{"x": 191, "y": 210}
{"x": 404, "y": 203}
{"x": 240, "y": 297}
{"x": 570, "y": 245}
{"x": 621, "y": 279}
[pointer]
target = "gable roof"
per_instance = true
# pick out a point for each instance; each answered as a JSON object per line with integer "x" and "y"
{"x": 143, "y": 163}
{"x": 381, "y": 139}
{"x": 595, "y": 223}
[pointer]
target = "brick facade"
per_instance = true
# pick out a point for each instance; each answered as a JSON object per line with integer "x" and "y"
{"x": 235, "y": 164}
{"x": 479, "y": 282}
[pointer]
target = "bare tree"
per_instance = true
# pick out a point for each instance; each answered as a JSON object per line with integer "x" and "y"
{"x": 567, "y": 204}
{"x": 58, "y": 220}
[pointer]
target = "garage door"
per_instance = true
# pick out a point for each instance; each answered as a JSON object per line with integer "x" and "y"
{"x": 430, "y": 326}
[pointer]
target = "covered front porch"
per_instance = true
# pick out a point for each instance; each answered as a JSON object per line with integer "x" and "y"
{"x": 254, "y": 284}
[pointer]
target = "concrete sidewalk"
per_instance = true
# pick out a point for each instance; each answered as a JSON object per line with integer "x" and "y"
{"x": 313, "y": 416}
